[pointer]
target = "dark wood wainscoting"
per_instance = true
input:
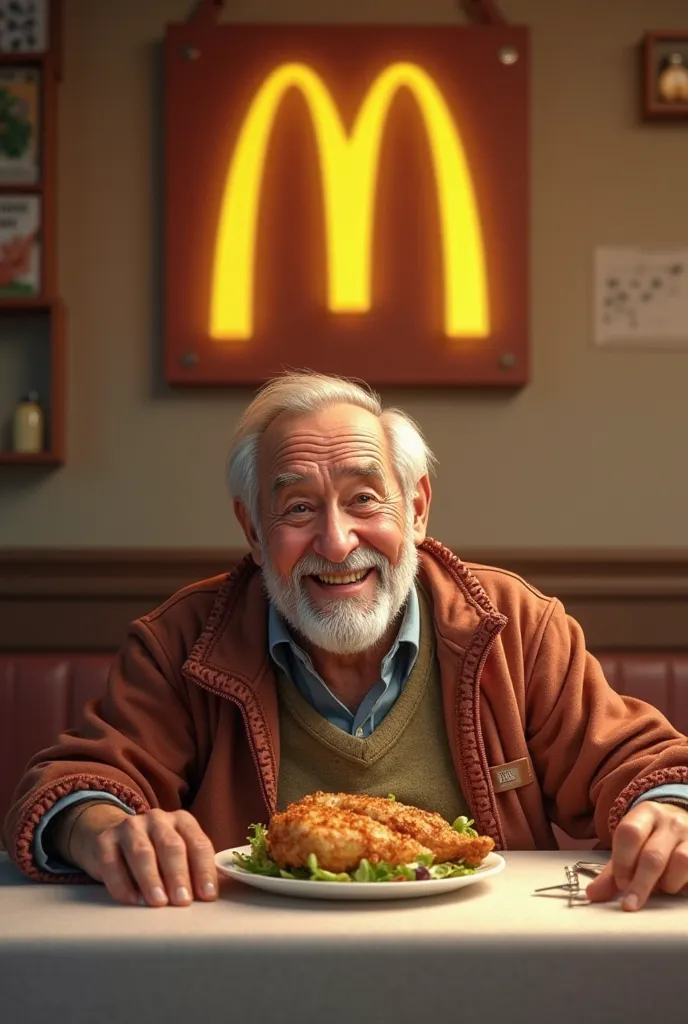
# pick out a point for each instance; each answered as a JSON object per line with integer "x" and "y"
{"x": 82, "y": 600}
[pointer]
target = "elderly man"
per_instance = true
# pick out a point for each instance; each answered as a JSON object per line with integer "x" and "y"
{"x": 347, "y": 652}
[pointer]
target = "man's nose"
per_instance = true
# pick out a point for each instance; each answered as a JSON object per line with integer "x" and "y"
{"x": 335, "y": 540}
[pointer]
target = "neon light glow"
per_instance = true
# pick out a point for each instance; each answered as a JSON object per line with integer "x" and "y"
{"x": 349, "y": 166}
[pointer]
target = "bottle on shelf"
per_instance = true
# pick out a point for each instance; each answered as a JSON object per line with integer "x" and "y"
{"x": 28, "y": 425}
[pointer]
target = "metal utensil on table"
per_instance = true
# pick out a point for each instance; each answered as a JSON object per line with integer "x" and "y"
{"x": 571, "y": 889}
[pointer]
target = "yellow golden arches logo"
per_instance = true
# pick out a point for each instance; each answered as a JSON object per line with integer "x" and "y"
{"x": 349, "y": 166}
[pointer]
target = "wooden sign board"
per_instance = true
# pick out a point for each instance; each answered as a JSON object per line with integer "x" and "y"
{"x": 351, "y": 199}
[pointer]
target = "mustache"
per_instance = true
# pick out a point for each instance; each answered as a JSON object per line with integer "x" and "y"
{"x": 356, "y": 561}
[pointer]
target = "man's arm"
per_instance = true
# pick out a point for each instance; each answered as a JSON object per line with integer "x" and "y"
{"x": 594, "y": 751}
{"x": 136, "y": 744}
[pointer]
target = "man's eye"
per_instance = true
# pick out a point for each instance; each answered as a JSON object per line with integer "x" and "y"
{"x": 364, "y": 499}
{"x": 298, "y": 509}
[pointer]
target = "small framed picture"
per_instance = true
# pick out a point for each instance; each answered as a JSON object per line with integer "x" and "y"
{"x": 665, "y": 75}
{"x": 20, "y": 128}
{"x": 20, "y": 246}
{"x": 24, "y": 26}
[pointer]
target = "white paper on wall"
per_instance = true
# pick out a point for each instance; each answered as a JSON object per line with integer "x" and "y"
{"x": 641, "y": 297}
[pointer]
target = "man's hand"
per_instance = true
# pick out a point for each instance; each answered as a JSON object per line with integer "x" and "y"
{"x": 160, "y": 855}
{"x": 649, "y": 854}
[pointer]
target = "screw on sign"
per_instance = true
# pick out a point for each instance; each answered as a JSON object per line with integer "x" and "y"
{"x": 188, "y": 359}
{"x": 508, "y": 55}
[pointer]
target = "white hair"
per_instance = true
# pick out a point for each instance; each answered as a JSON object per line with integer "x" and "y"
{"x": 307, "y": 392}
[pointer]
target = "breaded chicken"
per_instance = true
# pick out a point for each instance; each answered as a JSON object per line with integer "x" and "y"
{"x": 426, "y": 827}
{"x": 340, "y": 839}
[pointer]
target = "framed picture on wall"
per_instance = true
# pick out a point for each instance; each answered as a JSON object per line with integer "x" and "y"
{"x": 665, "y": 75}
{"x": 20, "y": 91}
{"x": 24, "y": 26}
{"x": 20, "y": 246}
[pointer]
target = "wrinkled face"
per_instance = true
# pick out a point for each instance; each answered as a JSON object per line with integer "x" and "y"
{"x": 336, "y": 538}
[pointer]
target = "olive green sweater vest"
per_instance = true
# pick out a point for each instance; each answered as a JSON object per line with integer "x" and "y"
{"x": 407, "y": 754}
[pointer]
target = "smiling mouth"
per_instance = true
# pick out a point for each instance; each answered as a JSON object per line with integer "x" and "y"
{"x": 339, "y": 579}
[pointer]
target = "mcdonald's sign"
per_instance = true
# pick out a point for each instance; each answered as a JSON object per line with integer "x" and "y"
{"x": 346, "y": 198}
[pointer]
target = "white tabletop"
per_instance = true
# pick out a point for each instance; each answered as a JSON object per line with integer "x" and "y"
{"x": 489, "y": 952}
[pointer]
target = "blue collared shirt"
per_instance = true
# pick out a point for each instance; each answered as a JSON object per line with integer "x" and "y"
{"x": 397, "y": 666}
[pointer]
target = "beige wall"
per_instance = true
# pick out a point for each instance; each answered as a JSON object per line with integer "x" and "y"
{"x": 592, "y": 453}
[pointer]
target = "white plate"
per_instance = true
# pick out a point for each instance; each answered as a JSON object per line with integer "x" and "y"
{"x": 492, "y": 865}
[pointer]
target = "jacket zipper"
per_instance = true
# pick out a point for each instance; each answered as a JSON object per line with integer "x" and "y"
{"x": 479, "y": 733}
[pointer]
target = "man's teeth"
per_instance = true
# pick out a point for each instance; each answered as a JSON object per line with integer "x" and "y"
{"x": 352, "y": 577}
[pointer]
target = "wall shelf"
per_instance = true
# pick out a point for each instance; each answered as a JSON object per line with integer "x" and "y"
{"x": 32, "y": 319}
{"x": 17, "y": 305}
{"x": 37, "y": 459}
{"x": 33, "y": 355}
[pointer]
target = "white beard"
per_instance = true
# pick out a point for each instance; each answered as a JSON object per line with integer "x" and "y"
{"x": 344, "y": 625}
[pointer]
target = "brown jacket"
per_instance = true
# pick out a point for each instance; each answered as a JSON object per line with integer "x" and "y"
{"x": 190, "y": 716}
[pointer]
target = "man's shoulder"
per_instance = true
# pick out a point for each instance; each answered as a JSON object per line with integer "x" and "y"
{"x": 465, "y": 590}
{"x": 527, "y": 609}
{"x": 222, "y": 620}
{"x": 504, "y": 585}
{"x": 189, "y": 601}
{"x": 193, "y": 608}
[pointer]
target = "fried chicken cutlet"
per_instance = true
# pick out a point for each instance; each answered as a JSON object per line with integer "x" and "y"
{"x": 341, "y": 829}
{"x": 426, "y": 827}
{"x": 340, "y": 839}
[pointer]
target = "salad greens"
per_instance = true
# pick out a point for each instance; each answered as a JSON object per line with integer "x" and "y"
{"x": 258, "y": 862}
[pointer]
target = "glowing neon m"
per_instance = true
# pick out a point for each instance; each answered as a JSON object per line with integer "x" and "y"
{"x": 349, "y": 167}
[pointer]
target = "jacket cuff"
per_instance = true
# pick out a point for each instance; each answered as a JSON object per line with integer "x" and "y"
{"x": 41, "y": 858}
{"x": 676, "y": 794}
{"x": 674, "y": 777}
{"x": 22, "y": 848}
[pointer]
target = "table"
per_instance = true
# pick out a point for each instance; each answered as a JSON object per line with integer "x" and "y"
{"x": 487, "y": 953}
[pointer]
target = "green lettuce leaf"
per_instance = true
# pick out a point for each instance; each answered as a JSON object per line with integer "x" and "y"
{"x": 463, "y": 825}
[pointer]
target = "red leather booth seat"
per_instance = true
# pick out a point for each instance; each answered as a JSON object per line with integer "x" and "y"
{"x": 40, "y": 695}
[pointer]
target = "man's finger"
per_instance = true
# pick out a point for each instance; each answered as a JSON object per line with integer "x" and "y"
{"x": 201, "y": 857}
{"x": 112, "y": 869}
{"x": 651, "y": 865}
{"x": 603, "y": 887}
{"x": 142, "y": 861}
{"x": 675, "y": 878}
{"x": 171, "y": 853}
{"x": 630, "y": 838}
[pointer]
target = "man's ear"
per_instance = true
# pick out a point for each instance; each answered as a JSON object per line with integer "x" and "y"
{"x": 421, "y": 508}
{"x": 250, "y": 532}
